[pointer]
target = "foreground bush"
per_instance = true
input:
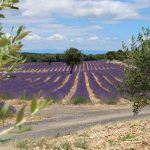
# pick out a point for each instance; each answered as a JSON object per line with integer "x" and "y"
{"x": 137, "y": 76}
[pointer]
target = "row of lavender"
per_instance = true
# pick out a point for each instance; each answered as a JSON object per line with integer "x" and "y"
{"x": 51, "y": 84}
{"x": 61, "y": 67}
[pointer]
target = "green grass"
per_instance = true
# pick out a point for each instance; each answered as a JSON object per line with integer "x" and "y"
{"x": 66, "y": 146}
{"x": 111, "y": 102}
{"x": 127, "y": 137}
{"x": 123, "y": 138}
{"x": 25, "y": 97}
{"x": 23, "y": 145}
{"x": 80, "y": 100}
{"x": 81, "y": 143}
{"x": 112, "y": 142}
{"x": 5, "y": 96}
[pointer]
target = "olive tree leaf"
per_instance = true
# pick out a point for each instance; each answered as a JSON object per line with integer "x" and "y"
{"x": 43, "y": 104}
{"x": 4, "y": 110}
{"x": 22, "y": 35}
{"x": 20, "y": 116}
{"x": 14, "y": 7}
{"x": 20, "y": 29}
{"x": 3, "y": 41}
{"x": 2, "y": 16}
{"x": 34, "y": 107}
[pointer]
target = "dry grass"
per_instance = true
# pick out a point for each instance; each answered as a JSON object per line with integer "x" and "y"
{"x": 92, "y": 96}
{"x": 133, "y": 135}
{"x": 67, "y": 98}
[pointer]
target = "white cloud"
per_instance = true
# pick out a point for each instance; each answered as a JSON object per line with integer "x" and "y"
{"x": 67, "y": 30}
{"x": 142, "y": 4}
{"x": 56, "y": 37}
{"x": 76, "y": 40}
{"x": 93, "y": 38}
{"x": 33, "y": 37}
{"x": 81, "y": 8}
{"x": 97, "y": 27}
{"x": 110, "y": 38}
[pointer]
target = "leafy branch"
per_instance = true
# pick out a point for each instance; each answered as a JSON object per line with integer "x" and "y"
{"x": 10, "y": 45}
{"x": 35, "y": 107}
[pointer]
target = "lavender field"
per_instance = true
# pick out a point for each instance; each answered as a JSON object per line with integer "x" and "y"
{"x": 94, "y": 80}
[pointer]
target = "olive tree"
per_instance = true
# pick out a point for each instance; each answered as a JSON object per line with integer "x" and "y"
{"x": 137, "y": 76}
{"x": 73, "y": 57}
{"x": 9, "y": 58}
{"x": 10, "y": 45}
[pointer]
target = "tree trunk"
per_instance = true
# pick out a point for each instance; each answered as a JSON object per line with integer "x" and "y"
{"x": 71, "y": 69}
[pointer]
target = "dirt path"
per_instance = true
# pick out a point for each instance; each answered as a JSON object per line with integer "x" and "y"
{"x": 68, "y": 119}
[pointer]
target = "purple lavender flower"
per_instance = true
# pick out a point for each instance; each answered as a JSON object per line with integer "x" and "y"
{"x": 11, "y": 110}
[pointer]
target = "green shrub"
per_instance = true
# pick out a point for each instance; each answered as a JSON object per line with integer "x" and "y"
{"x": 136, "y": 84}
{"x": 5, "y": 96}
{"x": 111, "y": 102}
{"x": 80, "y": 100}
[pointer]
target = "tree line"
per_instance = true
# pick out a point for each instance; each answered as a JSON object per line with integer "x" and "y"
{"x": 119, "y": 55}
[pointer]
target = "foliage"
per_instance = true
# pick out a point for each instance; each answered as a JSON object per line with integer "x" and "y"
{"x": 137, "y": 77}
{"x": 34, "y": 57}
{"x": 35, "y": 107}
{"x": 10, "y": 45}
{"x": 9, "y": 59}
{"x": 110, "y": 55}
{"x": 116, "y": 55}
{"x": 80, "y": 100}
{"x": 94, "y": 57}
{"x": 6, "y": 111}
{"x": 4, "y": 4}
{"x": 73, "y": 57}
{"x": 111, "y": 101}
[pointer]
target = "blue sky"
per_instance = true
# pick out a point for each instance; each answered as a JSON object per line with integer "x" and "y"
{"x": 85, "y": 24}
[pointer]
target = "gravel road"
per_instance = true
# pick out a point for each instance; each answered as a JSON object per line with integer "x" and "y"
{"x": 68, "y": 119}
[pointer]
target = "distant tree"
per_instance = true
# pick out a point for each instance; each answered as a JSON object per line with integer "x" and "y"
{"x": 100, "y": 56}
{"x": 120, "y": 55}
{"x": 89, "y": 57}
{"x": 117, "y": 55}
{"x": 58, "y": 57}
{"x": 50, "y": 60}
{"x": 73, "y": 57}
{"x": 137, "y": 77}
{"x": 110, "y": 55}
